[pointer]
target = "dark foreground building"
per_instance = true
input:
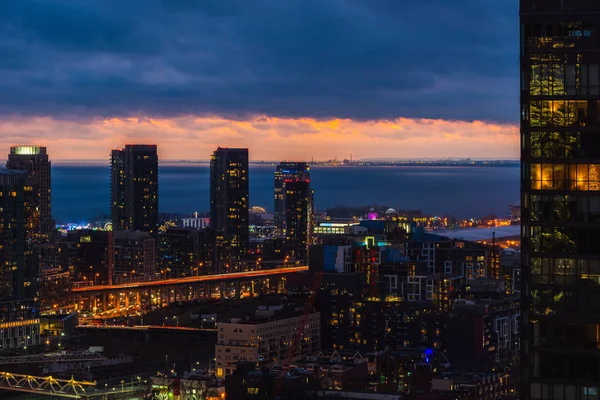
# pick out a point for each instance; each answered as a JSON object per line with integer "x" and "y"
{"x": 560, "y": 137}
{"x": 134, "y": 183}
{"x": 19, "y": 305}
{"x": 229, "y": 197}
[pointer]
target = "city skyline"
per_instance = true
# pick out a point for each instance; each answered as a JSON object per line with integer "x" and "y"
{"x": 251, "y": 77}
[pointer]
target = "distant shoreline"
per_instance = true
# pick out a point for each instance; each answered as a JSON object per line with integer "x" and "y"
{"x": 333, "y": 164}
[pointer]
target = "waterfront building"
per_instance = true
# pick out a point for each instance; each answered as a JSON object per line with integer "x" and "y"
{"x": 286, "y": 172}
{"x": 19, "y": 301}
{"x": 34, "y": 160}
{"x": 299, "y": 220}
{"x": 134, "y": 183}
{"x": 560, "y": 163}
{"x": 334, "y": 227}
{"x": 229, "y": 192}
{"x": 196, "y": 221}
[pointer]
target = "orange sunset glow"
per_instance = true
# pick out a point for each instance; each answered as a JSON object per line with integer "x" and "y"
{"x": 194, "y": 138}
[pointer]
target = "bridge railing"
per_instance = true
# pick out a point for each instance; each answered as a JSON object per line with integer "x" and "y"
{"x": 45, "y": 385}
{"x": 158, "y": 277}
{"x": 51, "y": 358}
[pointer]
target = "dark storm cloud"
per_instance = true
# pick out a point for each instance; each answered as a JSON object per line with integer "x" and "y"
{"x": 359, "y": 59}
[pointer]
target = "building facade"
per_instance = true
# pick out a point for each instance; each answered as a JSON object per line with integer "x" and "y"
{"x": 196, "y": 221}
{"x": 560, "y": 162}
{"x": 266, "y": 338}
{"x": 134, "y": 183}
{"x": 133, "y": 255}
{"x": 87, "y": 253}
{"x": 229, "y": 192}
{"x": 286, "y": 171}
{"x": 34, "y": 160}
{"x": 299, "y": 220}
{"x": 179, "y": 253}
{"x": 19, "y": 302}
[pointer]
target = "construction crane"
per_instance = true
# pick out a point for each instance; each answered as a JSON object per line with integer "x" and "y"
{"x": 308, "y": 305}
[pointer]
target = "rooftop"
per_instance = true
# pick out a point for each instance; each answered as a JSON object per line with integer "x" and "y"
{"x": 481, "y": 234}
{"x": 266, "y": 314}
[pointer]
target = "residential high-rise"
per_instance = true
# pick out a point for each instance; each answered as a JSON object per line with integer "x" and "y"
{"x": 296, "y": 171}
{"x": 19, "y": 302}
{"x": 34, "y": 160}
{"x": 560, "y": 214}
{"x": 132, "y": 255}
{"x": 179, "y": 252}
{"x": 299, "y": 220}
{"x": 229, "y": 197}
{"x": 134, "y": 180}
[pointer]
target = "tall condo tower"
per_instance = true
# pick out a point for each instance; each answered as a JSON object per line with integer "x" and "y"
{"x": 560, "y": 204}
{"x": 299, "y": 220}
{"x": 229, "y": 193}
{"x": 134, "y": 183}
{"x": 34, "y": 160}
{"x": 19, "y": 301}
{"x": 286, "y": 171}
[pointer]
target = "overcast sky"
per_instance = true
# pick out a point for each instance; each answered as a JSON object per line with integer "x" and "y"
{"x": 290, "y": 79}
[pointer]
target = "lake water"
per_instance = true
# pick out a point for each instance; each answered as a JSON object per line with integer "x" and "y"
{"x": 82, "y": 191}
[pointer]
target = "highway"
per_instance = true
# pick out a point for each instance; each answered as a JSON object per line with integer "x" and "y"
{"x": 264, "y": 273}
{"x": 145, "y": 328}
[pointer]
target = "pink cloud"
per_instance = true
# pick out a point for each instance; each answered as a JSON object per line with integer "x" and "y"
{"x": 266, "y": 137}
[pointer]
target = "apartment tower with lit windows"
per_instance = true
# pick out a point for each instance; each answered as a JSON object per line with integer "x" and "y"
{"x": 34, "y": 160}
{"x": 19, "y": 302}
{"x": 560, "y": 214}
{"x": 229, "y": 193}
{"x": 285, "y": 171}
{"x": 134, "y": 184}
{"x": 299, "y": 217}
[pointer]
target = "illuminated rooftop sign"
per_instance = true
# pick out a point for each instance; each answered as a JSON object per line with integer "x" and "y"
{"x": 25, "y": 150}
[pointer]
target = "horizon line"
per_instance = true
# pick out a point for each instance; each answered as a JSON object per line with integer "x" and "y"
{"x": 372, "y": 159}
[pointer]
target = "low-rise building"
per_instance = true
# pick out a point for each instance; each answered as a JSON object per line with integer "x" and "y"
{"x": 275, "y": 334}
{"x": 483, "y": 334}
{"x": 337, "y": 370}
{"x": 195, "y": 221}
{"x": 249, "y": 383}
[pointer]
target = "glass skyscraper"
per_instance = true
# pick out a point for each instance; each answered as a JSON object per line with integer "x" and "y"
{"x": 229, "y": 193}
{"x": 560, "y": 162}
